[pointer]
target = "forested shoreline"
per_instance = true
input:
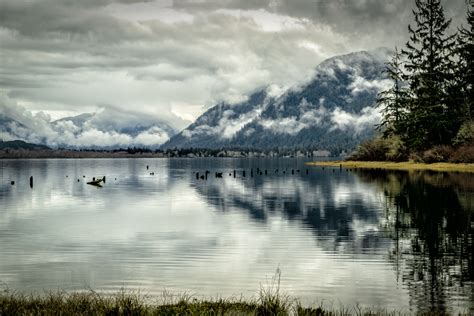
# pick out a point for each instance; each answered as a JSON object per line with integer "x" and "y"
{"x": 427, "y": 114}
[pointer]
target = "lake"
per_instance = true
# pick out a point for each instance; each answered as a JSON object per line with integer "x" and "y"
{"x": 342, "y": 237}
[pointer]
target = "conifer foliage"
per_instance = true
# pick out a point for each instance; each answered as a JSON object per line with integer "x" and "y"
{"x": 394, "y": 100}
{"x": 432, "y": 93}
{"x": 465, "y": 76}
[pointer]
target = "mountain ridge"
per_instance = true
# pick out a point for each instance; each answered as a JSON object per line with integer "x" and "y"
{"x": 333, "y": 111}
{"x": 107, "y": 129}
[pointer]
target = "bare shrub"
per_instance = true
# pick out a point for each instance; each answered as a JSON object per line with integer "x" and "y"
{"x": 463, "y": 154}
{"x": 440, "y": 153}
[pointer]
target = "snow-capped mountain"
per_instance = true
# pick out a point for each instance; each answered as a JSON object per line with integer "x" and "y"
{"x": 333, "y": 111}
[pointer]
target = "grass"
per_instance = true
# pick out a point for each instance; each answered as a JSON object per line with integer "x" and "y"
{"x": 123, "y": 303}
{"x": 269, "y": 302}
{"x": 440, "y": 166}
{"x": 130, "y": 303}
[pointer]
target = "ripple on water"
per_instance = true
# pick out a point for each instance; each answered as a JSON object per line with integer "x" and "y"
{"x": 334, "y": 236}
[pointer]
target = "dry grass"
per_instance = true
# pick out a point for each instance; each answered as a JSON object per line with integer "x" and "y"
{"x": 440, "y": 166}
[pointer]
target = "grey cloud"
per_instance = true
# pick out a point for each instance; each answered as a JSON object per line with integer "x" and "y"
{"x": 373, "y": 22}
{"x": 216, "y": 57}
{"x": 78, "y": 55}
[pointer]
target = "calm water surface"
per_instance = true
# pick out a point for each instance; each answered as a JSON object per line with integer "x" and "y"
{"x": 393, "y": 239}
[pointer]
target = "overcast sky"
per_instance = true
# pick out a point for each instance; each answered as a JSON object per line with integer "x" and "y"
{"x": 172, "y": 59}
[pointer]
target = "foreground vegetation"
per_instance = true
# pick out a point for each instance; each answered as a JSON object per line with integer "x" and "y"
{"x": 392, "y": 149}
{"x": 122, "y": 303}
{"x": 440, "y": 166}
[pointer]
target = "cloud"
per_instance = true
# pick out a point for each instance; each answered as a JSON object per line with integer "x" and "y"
{"x": 149, "y": 56}
{"x": 228, "y": 125}
{"x": 308, "y": 116}
{"x": 107, "y": 128}
{"x": 339, "y": 119}
{"x": 77, "y": 56}
{"x": 372, "y": 23}
{"x": 361, "y": 84}
{"x": 367, "y": 118}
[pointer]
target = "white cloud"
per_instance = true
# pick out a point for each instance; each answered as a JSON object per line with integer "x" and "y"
{"x": 361, "y": 84}
{"x": 287, "y": 125}
{"x": 367, "y": 118}
{"x": 107, "y": 128}
{"x": 308, "y": 116}
{"x": 228, "y": 125}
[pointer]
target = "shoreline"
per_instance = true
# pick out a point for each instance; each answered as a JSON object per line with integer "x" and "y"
{"x": 63, "y": 154}
{"x": 408, "y": 166}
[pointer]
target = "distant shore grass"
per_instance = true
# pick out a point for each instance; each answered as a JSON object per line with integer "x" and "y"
{"x": 440, "y": 166}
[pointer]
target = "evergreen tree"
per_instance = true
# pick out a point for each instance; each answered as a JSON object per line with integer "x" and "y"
{"x": 394, "y": 100}
{"x": 429, "y": 64}
{"x": 465, "y": 76}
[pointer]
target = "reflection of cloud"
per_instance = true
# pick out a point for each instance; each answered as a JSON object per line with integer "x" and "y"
{"x": 172, "y": 232}
{"x": 344, "y": 206}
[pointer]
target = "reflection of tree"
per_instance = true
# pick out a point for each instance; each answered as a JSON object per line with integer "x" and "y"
{"x": 429, "y": 216}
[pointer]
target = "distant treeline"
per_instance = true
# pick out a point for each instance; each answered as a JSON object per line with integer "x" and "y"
{"x": 428, "y": 112}
{"x": 136, "y": 152}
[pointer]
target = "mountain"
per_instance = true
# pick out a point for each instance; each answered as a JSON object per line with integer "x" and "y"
{"x": 112, "y": 120}
{"x": 107, "y": 129}
{"x": 7, "y": 125}
{"x": 19, "y": 144}
{"x": 333, "y": 111}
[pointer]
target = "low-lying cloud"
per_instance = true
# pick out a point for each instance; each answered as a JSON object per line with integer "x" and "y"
{"x": 106, "y": 128}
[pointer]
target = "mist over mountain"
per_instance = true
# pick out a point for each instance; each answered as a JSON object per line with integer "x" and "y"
{"x": 333, "y": 111}
{"x": 108, "y": 128}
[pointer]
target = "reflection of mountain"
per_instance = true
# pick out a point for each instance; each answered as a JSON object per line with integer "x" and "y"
{"x": 337, "y": 207}
{"x": 333, "y": 111}
{"x": 430, "y": 216}
{"x": 423, "y": 221}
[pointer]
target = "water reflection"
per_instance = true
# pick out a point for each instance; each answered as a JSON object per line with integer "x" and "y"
{"x": 427, "y": 214}
{"x": 395, "y": 239}
{"x": 430, "y": 216}
{"x": 338, "y": 207}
